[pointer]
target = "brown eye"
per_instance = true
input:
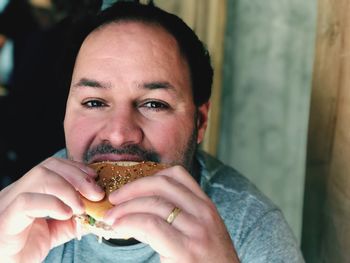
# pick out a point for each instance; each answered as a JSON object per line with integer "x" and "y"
{"x": 94, "y": 104}
{"x": 156, "y": 105}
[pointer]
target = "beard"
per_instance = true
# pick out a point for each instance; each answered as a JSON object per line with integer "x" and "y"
{"x": 184, "y": 157}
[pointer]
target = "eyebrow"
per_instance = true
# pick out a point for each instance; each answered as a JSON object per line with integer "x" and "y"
{"x": 84, "y": 82}
{"x": 154, "y": 85}
{"x": 157, "y": 85}
{"x": 161, "y": 85}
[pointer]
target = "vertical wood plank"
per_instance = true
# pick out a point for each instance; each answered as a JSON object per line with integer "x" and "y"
{"x": 216, "y": 26}
{"x": 326, "y": 225}
{"x": 337, "y": 220}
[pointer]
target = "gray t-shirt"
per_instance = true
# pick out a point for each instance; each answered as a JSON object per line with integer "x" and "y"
{"x": 256, "y": 226}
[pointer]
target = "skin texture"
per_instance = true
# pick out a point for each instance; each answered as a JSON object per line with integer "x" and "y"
{"x": 130, "y": 99}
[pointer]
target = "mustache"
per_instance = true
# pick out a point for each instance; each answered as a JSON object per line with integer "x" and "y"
{"x": 132, "y": 149}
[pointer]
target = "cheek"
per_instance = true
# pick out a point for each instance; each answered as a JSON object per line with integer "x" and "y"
{"x": 170, "y": 139}
{"x": 78, "y": 133}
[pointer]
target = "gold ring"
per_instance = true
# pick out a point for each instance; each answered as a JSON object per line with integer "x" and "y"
{"x": 174, "y": 213}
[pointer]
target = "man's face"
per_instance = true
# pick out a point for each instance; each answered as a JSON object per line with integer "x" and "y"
{"x": 131, "y": 99}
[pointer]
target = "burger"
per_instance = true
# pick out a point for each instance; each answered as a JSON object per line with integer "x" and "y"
{"x": 110, "y": 177}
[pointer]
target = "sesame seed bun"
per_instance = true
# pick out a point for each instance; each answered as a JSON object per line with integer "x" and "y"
{"x": 110, "y": 177}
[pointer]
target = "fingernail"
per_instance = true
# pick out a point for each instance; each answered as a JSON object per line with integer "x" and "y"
{"x": 88, "y": 179}
{"x": 98, "y": 188}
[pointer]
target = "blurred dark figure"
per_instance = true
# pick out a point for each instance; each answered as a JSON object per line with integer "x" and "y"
{"x": 31, "y": 115}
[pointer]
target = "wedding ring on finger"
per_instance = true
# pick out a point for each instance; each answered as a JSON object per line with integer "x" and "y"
{"x": 174, "y": 213}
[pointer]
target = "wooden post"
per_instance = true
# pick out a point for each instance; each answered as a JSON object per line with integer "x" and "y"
{"x": 326, "y": 223}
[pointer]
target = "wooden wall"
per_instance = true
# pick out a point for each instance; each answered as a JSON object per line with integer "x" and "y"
{"x": 326, "y": 224}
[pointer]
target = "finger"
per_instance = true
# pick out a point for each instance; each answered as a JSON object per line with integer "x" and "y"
{"x": 181, "y": 175}
{"x": 5, "y": 196}
{"x": 152, "y": 230}
{"x": 44, "y": 181}
{"x": 54, "y": 184}
{"x": 151, "y": 205}
{"x": 36, "y": 246}
{"x": 159, "y": 185}
{"x": 86, "y": 169}
{"x": 61, "y": 231}
{"x": 72, "y": 172}
{"x": 29, "y": 206}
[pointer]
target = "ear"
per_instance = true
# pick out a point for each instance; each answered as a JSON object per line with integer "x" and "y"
{"x": 202, "y": 120}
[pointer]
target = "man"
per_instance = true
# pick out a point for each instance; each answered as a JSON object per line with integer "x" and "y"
{"x": 139, "y": 91}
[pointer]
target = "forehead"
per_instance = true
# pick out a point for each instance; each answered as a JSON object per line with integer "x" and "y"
{"x": 140, "y": 49}
{"x": 131, "y": 33}
{"x": 150, "y": 41}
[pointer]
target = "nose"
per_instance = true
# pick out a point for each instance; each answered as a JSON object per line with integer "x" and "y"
{"x": 121, "y": 128}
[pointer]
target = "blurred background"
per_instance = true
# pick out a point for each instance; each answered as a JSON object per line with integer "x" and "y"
{"x": 32, "y": 100}
{"x": 279, "y": 107}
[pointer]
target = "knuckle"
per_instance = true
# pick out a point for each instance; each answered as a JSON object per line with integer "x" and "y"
{"x": 211, "y": 212}
{"x": 49, "y": 161}
{"x": 156, "y": 201}
{"x": 178, "y": 169}
{"x": 210, "y": 215}
{"x": 57, "y": 205}
{"x": 36, "y": 174}
{"x": 22, "y": 200}
{"x": 152, "y": 223}
{"x": 49, "y": 181}
{"x": 163, "y": 180}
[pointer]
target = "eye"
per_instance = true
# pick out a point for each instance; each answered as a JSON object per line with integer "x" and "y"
{"x": 94, "y": 104}
{"x": 155, "y": 105}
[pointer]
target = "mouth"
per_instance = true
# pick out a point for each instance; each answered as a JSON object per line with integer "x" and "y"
{"x": 115, "y": 158}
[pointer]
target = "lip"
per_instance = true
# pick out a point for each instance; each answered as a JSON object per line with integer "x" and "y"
{"x": 114, "y": 158}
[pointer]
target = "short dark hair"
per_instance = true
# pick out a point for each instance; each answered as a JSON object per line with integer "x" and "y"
{"x": 77, "y": 7}
{"x": 190, "y": 46}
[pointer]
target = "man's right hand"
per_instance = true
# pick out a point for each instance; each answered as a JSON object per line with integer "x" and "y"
{"x": 36, "y": 211}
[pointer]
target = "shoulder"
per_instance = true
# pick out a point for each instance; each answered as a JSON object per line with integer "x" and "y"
{"x": 254, "y": 222}
{"x": 61, "y": 154}
{"x": 222, "y": 182}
